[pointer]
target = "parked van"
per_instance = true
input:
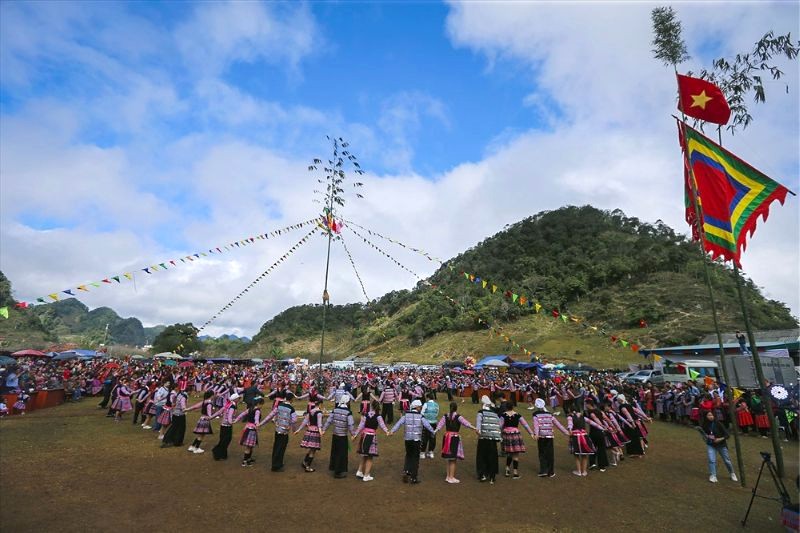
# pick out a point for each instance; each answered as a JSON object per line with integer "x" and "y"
{"x": 656, "y": 377}
{"x": 683, "y": 371}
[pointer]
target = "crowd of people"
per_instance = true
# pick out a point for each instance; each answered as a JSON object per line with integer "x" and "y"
{"x": 605, "y": 419}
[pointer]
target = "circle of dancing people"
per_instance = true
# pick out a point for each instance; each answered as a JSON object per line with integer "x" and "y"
{"x": 603, "y": 426}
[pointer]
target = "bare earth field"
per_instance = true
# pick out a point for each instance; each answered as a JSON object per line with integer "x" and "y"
{"x": 71, "y": 469}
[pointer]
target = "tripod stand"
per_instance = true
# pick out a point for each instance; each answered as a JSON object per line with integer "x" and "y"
{"x": 783, "y": 493}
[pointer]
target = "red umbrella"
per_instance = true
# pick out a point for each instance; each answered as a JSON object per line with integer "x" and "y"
{"x": 185, "y": 364}
{"x": 28, "y": 353}
{"x": 111, "y": 365}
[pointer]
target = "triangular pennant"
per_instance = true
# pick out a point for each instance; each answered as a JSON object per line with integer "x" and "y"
{"x": 68, "y": 291}
{"x": 95, "y": 284}
{"x": 623, "y": 342}
{"x": 4, "y": 312}
{"x": 484, "y": 283}
{"x": 128, "y": 275}
{"x": 564, "y": 318}
{"x": 494, "y": 289}
{"x": 514, "y": 297}
{"x": 83, "y": 288}
{"x": 115, "y": 278}
{"x": 537, "y": 306}
{"x": 54, "y": 296}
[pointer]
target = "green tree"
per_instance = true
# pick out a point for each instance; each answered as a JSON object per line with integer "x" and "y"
{"x": 178, "y": 338}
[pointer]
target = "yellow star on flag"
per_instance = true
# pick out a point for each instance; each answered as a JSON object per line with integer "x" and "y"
{"x": 700, "y": 100}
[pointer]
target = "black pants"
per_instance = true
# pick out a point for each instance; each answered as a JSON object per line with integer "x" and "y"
{"x": 600, "y": 457}
{"x": 220, "y": 451}
{"x": 176, "y": 432}
{"x": 338, "y": 461}
{"x": 546, "y": 456}
{"x": 449, "y": 394}
{"x": 428, "y": 441}
{"x": 486, "y": 459}
{"x": 387, "y": 412}
{"x": 279, "y": 450}
{"x": 106, "y": 397}
{"x": 411, "y": 465}
{"x": 138, "y": 411}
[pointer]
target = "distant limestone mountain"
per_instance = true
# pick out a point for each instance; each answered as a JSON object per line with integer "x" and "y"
{"x": 101, "y": 325}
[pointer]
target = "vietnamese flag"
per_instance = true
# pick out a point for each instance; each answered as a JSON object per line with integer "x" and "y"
{"x": 702, "y": 100}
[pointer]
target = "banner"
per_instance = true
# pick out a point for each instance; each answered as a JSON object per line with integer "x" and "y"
{"x": 530, "y": 302}
{"x": 158, "y": 267}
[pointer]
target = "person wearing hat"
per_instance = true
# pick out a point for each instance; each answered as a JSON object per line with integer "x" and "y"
{"x": 413, "y": 422}
{"x": 343, "y": 422}
{"x": 543, "y": 424}
{"x": 228, "y": 412}
{"x": 488, "y": 424}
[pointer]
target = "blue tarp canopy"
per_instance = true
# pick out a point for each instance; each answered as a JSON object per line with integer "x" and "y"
{"x": 83, "y": 354}
{"x": 498, "y": 357}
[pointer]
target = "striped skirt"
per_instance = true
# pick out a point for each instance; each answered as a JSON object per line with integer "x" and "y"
{"x": 122, "y": 403}
{"x": 616, "y": 439}
{"x": 165, "y": 418}
{"x": 150, "y": 408}
{"x": 642, "y": 428}
{"x": 512, "y": 441}
{"x": 203, "y": 427}
{"x": 579, "y": 444}
{"x": 311, "y": 439}
{"x": 19, "y": 405}
{"x": 249, "y": 437}
{"x": 368, "y": 445}
{"x": 762, "y": 421}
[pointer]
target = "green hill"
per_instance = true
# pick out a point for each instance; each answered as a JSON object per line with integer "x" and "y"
{"x": 608, "y": 269}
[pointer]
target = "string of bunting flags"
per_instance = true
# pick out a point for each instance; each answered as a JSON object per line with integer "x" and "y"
{"x": 364, "y": 291}
{"x": 165, "y": 265}
{"x": 496, "y": 331}
{"x": 523, "y": 301}
{"x": 384, "y": 253}
{"x": 417, "y": 250}
{"x": 264, "y": 274}
{"x": 436, "y": 288}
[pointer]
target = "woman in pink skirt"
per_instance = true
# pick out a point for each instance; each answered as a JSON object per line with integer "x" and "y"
{"x": 368, "y": 444}
{"x": 312, "y": 441}
{"x": 203, "y": 426}
{"x": 513, "y": 445}
{"x": 452, "y": 449}
{"x": 123, "y": 402}
{"x": 249, "y": 438}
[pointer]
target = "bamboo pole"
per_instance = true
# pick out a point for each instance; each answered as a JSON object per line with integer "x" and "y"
{"x": 765, "y": 396}
{"x": 728, "y": 389}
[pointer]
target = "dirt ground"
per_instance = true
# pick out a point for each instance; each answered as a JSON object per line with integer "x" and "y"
{"x": 71, "y": 469}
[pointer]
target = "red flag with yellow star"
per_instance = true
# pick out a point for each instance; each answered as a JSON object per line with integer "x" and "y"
{"x": 703, "y": 100}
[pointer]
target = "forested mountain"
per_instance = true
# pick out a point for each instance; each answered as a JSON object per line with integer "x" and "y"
{"x": 609, "y": 269}
{"x": 70, "y": 317}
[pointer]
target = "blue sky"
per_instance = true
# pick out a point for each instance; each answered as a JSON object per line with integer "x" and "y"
{"x": 141, "y": 131}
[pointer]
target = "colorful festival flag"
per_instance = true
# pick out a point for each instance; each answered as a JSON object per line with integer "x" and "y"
{"x": 702, "y": 100}
{"x": 4, "y": 312}
{"x": 732, "y": 195}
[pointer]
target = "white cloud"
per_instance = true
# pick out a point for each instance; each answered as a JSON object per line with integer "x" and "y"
{"x": 221, "y": 33}
{"x": 609, "y": 142}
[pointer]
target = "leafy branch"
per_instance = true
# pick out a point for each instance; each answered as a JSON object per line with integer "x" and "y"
{"x": 744, "y": 74}
{"x": 334, "y": 176}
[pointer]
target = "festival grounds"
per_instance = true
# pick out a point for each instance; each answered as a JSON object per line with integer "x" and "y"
{"x": 71, "y": 469}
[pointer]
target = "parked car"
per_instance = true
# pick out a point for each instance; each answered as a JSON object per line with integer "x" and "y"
{"x": 656, "y": 377}
{"x": 623, "y": 375}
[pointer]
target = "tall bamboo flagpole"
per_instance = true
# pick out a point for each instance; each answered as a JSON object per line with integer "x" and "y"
{"x": 765, "y": 395}
{"x": 699, "y": 221}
